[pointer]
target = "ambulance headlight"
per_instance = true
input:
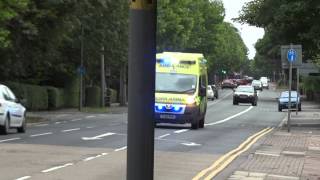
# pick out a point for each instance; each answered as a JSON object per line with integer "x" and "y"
{"x": 191, "y": 100}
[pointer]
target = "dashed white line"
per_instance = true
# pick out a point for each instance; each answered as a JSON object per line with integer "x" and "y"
{"x": 90, "y": 127}
{"x": 94, "y": 157}
{"x": 98, "y": 137}
{"x": 42, "y": 134}
{"x": 229, "y": 118}
{"x": 69, "y": 130}
{"x": 24, "y": 178}
{"x": 162, "y": 136}
{"x": 181, "y": 131}
{"x": 88, "y": 117}
{"x": 6, "y": 140}
{"x": 57, "y": 167}
{"x": 73, "y": 120}
{"x": 41, "y": 125}
{"x": 121, "y": 149}
{"x": 58, "y": 122}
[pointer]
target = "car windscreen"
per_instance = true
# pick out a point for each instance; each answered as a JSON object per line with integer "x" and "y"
{"x": 245, "y": 89}
{"x": 256, "y": 82}
{"x": 176, "y": 83}
{"x": 286, "y": 94}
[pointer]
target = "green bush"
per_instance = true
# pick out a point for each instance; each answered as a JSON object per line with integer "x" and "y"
{"x": 72, "y": 91}
{"x": 93, "y": 96}
{"x": 113, "y": 95}
{"x": 36, "y": 97}
{"x": 311, "y": 83}
{"x": 55, "y": 98}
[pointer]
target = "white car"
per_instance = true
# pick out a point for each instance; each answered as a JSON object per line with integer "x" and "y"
{"x": 210, "y": 93}
{"x": 257, "y": 84}
{"x": 265, "y": 83}
{"x": 12, "y": 113}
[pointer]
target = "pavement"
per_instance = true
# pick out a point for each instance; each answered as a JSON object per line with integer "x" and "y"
{"x": 284, "y": 155}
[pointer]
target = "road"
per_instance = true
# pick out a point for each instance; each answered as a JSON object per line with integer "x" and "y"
{"x": 94, "y": 146}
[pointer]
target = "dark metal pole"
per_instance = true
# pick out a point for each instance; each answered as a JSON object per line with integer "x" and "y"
{"x": 81, "y": 71}
{"x": 289, "y": 103}
{"x": 298, "y": 91}
{"x": 142, "y": 59}
{"x": 103, "y": 78}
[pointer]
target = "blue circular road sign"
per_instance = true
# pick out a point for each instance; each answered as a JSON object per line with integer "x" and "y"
{"x": 291, "y": 55}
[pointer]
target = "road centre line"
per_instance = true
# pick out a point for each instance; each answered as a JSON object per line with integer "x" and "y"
{"x": 229, "y": 118}
{"x": 24, "y": 178}
{"x": 88, "y": 117}
{"x": 215, "y": 102}
{"x": 181, "y": 131}
{"x": 94, "y": 157}
{"x": 56, "y": 168}
{"x": 6, "y": 140}
{"x": 41, "y": 125}
{"x": 98, "y": 136}
{"x": 69, "y": 130}
{"x": 121, "y": 149}
{"x": 42, "y": 134}
{"x": 79, "y": 119}
{"x": 226, "y": 159}
{"x": 162, "y": 136}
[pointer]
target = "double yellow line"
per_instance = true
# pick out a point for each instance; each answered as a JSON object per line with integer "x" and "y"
{"x": 225, "y": 160}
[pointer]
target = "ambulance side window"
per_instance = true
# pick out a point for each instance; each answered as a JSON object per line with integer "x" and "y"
{"x": 202, "y": 84}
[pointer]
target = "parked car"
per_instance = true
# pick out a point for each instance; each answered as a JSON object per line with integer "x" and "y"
{"x": 210, "y": 93}
{"x": 245, "y": 94}
{"x": 265, "y": 83}
{"x": 283, "y": 100}
{"x": 215, "y": 91}
{"x": 257, "y": 85}
{"x": 12, "y": 113}
{"x": 228, "y": 83}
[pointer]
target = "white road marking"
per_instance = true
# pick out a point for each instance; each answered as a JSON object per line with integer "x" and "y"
{"x": 97, "y": 137}
{"x": 162, "y": 136}
{"x": 90, "y": 127}
{"x": 191, "y": 144}
{"x": 73, "y": 120}
{"x": 283, "y": 121}
{"x": 42, "y": 134}
{"x": 57, "y": 167}
{"x": 229, "y": 118}
{"x": 88, "y": 117}
{"x": 41, "y": 125}
{"x": 61, "y": 115}
{"x": 69, "y": 130}
{"x": 24, "y": 178}
{"x": 58, "y": 122}
{"x": 181, "y": 131}
{"x": 94, "y": 157}
{"x": 6, "y": 140}
{"x": 121, "y": 149}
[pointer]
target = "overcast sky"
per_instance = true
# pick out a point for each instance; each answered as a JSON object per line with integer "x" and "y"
{"x": 249, "y": 34}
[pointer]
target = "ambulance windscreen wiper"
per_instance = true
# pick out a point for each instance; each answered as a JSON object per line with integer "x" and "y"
{"x": 188, "y": 91}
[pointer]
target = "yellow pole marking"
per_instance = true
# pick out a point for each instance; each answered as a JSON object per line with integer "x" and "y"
{"x": 142, "y": 4}
{"x": 226, "y": 159}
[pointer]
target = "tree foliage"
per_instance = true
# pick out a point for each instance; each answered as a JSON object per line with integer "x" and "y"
{"x": 285, "y": 22}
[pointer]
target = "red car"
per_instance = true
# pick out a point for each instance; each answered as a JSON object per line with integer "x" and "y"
{"x": 228, "y": 83}
{"x": 241, "y": 82}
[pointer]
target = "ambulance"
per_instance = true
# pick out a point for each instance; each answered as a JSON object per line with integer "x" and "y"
{"x": 181, "y": 89}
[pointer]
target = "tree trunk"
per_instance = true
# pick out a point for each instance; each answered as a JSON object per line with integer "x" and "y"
{"x": 123, "y": 86}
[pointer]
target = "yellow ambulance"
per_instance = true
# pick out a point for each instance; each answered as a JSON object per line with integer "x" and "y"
{"x": 181, "y": 89}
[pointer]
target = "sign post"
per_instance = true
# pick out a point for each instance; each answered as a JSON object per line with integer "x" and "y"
{"x": 291, "y": 56}
{"x": 298, "y": 91}
{"x": 141, "y": 94}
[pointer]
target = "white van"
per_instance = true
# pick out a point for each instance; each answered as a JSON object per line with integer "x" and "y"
{"x": 265, "y": 83}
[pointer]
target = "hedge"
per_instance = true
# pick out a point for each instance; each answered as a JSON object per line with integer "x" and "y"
{"x": 93, "y": 96}
{"x": 72, "y": 91}
{"x": 55, "y": 98}
{"x": 36, "y": 97}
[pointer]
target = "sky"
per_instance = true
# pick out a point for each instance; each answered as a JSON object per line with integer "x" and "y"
{"x": 249, "y": 34}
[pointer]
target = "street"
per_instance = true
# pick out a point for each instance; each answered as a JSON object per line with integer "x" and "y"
{"x": 94, "y": 146}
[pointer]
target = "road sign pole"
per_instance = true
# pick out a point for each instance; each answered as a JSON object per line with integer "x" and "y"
{"x": 142, "y": 60}
{"x": 289, "y": 104}
{"x": 298, "y": 91}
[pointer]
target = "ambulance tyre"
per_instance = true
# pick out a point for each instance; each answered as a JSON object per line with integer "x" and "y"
{"x": 195, "y": 125}
{"x": 201, "y": 123}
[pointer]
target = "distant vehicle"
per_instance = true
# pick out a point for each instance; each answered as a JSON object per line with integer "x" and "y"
{"x": 265, "y": 83}
{"x": 210, "y": 93}
{"x": 181, "y": 89}
{"x": 215, "y": 91}
{"x": 245, "y": 94}
{"x": 228, "y": 83}
{"x": 241, "y": 82}
{"x": 12, "y": 113}
{"x": 257, "y": 85}
{"x": 283, "y": 100}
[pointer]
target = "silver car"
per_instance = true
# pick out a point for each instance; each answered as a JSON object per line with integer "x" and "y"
{"x": 12, "y": 113}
